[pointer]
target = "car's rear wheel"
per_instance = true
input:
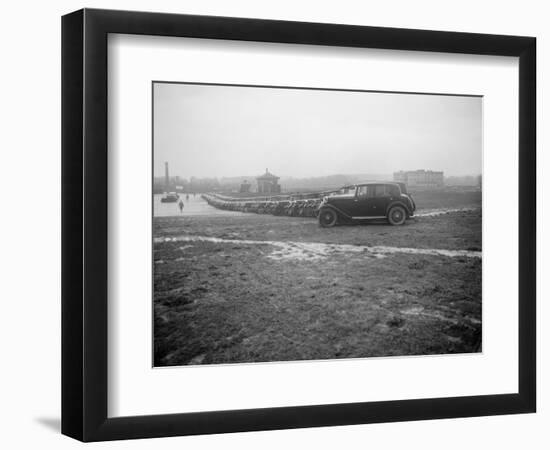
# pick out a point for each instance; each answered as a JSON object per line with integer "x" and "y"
{"x": 397, "y": 215}
{"x": 327, "y": 218}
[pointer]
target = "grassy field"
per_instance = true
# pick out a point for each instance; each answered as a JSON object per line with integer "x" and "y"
{"x": 447, "y": 199}
{"x": 228, "y": 292}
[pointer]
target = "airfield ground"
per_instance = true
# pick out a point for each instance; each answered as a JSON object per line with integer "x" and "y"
{"x": 251, "y": 288}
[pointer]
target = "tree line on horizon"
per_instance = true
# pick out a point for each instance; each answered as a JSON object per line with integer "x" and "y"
{"x": 288, "y": 184}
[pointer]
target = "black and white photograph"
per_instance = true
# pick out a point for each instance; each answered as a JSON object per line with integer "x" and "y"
{"x": 275, "y": 225}
{"x": 295, "y": 224}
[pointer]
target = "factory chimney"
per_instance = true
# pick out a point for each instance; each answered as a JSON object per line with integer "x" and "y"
{"x": 166, "y": 176}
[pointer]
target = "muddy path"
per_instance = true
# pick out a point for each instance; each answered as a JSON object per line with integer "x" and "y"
{"x": 316, "y": 250}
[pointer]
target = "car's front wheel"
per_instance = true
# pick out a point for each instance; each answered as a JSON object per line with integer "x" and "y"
{"x": 397, "y": 215}
{"x": 327, "y": 218}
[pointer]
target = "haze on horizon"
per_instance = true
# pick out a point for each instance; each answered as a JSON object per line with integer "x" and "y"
{"x": 228, "y": 131}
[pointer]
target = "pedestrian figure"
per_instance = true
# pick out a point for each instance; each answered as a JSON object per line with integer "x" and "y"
{"x": 180, "y": 204}
{"x": 187, "y": 197}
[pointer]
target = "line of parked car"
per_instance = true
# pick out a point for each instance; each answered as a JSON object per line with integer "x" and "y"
{"x": 290, "y": 207}
{"x": 389, "y": 201}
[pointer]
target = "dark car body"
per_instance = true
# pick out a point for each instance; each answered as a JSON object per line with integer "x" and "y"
{"x": 368, "y": 201}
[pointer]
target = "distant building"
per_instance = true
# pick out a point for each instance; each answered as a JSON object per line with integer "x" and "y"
{"x": 245, "y": 187}
{"x": 268, "y": 183}
{"x": 420, "y": 179}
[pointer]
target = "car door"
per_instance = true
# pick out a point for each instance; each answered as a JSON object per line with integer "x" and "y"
{"x": 347, "y": 203}
{"x": 363, "y": 202}
{"x": 379, "y": 196}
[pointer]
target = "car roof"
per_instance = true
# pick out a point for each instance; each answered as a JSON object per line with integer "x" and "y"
{"x": 377, "y": 182}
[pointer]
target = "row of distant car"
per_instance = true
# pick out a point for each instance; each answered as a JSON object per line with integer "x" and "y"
{"x": 294, "y": 208}
{"x": 389, "y": 201}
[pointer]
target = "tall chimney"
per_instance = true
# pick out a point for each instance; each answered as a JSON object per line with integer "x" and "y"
{"x": 166, "y": 175}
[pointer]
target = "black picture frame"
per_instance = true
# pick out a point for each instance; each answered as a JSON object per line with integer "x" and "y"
{"x": 84, "y": 224}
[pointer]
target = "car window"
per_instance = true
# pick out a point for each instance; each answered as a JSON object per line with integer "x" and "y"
{"x": 362, "y": 191}
{"x": 394, "y": 191}
{"x": 379, "y": 190}
{"x": 349, "y": 190}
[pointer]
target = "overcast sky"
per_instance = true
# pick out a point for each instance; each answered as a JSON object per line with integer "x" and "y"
{"x": 216, "y": 131}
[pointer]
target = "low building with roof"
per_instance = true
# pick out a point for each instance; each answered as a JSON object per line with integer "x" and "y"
{"x": 245, "y": 187}
{"x": 268, "y": 183}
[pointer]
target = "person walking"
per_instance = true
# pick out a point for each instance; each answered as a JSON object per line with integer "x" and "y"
{"x": 180, "y": 204}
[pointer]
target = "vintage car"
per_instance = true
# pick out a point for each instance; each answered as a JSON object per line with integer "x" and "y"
{"x": 170, "y": 197}
{"x": 368, "y": 201}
